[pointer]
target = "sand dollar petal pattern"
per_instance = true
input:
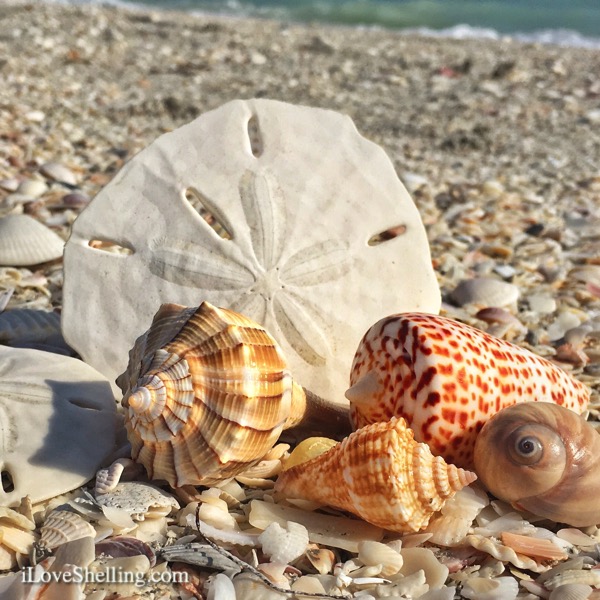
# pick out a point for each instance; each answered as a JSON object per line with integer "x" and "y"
{"x": 57, "y": 424}
{"x": 276, "y": 211}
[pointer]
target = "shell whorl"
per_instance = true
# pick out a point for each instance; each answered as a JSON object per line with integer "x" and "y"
{"x": 160, "y": 403}
{"x": 547, "y": 456}
{"x": 381, "y": 474}
{"x": 211, "y": 400}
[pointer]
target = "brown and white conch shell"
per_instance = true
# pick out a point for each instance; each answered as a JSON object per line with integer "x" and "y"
{"x": 380, "y": 474}
{"x": 542, "y": 458}
{"x": 206, "y": 394}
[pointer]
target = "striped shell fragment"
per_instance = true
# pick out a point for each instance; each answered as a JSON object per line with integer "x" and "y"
{"x": 207, "y": 393}
{"x": 381, "y": 474}
{"x": 447, "y": 379}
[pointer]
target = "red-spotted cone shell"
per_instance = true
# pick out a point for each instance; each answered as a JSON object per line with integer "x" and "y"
{"x": 447, "y": 379}
{"x": 380, "y": 474}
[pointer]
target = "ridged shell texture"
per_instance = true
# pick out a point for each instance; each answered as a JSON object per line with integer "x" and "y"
{"x": 380, "y": 474}
{"x": 447, "y": 379}
{"x": 207, "y": 394}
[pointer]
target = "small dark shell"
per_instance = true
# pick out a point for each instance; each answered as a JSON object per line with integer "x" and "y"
{"x": 543, "y": 458}
{"x": 125, "y": 546}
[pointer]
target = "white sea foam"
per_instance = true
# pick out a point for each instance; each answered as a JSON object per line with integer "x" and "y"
{"x": 558, "y": 37}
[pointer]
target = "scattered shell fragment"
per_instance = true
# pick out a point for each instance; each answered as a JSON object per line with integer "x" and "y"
{"x": 62, "y": 526}
{"x": 380, "y": 474}
{"x": 571, "y": 591}
{"x": 337, "y": 532}
{"x": 58, "y": 172}
{"x": 299, "y": 277}
{"x": 499, "y": 588}
{"x": 138, "y": 499}
{"x": 376, "y": 553}
{"x": 283, "y": 545}
{"x": 485, "y": 291}
{"x": 447, "y": 379}
{"x": 32, "y": 187}
{"x": 25, "y": 241}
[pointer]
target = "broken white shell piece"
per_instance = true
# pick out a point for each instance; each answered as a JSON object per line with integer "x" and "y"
{"x": 67, "y": 403}
{"x": 139, "y": 500}
{"x": 268, "y": 219}
{"x": 571, "y": 591}
{"x": 284, "y": 544}
{"x": 107, "y": 479}
{"x": 500, "y": 588}
{"x": 63, "y": 526}
{"x": 338, "y": 532}
{"x": 504, "y": 553}
{"x": 415, "y": 559}
{"x": 25, "y": 241}
{"x": 220, "y": 587}
{"x": 376, "y": 553}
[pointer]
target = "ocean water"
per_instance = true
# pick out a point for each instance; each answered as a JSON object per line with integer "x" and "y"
{"x": 566, "y": 22}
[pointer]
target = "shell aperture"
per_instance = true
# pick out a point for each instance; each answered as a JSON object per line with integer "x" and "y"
{"x": 543, "y": 458}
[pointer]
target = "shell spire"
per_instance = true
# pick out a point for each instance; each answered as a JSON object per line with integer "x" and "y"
{"x": 447, "y": 379}
{"x": 380, "y": 474}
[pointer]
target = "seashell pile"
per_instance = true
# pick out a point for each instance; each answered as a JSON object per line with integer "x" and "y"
{"x": 470, "y": 472}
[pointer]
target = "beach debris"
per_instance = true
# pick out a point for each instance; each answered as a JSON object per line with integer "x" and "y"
{"x": 207, "y": 394}
{"x": 67, "y": 403}
{"x": 265, "y": 221}
{"x": 485, "y": 291}
{"x": 548, "y": 458}
{"x": 62, "y": 526}
{"x": 121, "y": 546}
{"x": 138, "y": 500}
{"x": 447, "y": 379}
{"x": 381, "y": 474}
{"x": 58, "y": 172}
{"x": 25, "y": 241}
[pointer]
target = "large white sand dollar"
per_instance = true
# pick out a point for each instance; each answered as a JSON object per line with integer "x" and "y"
{"x": 57, "y": 424}
{"x": 298, "y": 200}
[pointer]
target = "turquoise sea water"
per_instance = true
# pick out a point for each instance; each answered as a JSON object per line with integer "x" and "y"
{"x": 573, "y": 22}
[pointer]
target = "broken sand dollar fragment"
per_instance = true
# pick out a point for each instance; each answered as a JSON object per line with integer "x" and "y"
{"x": 283, "y": 213}
{"x": 57, "y": 424}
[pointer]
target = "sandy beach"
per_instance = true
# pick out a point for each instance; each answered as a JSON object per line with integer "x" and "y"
{"x": 498, "y": 142}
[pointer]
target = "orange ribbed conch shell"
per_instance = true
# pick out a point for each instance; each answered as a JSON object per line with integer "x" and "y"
{"x": 381, "y": 474}
{"x": 447, "y": 379}
{"x": 206, "y": 395}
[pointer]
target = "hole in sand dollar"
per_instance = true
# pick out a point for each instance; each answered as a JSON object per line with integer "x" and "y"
{"x": 386, "y": 235}
{"x": 8, "y": 484}
{"x": 111, "y": 247}
{"x": 255, "y": 137}
{"x": 204, "y": 208}
{"x": 81, "y": 403}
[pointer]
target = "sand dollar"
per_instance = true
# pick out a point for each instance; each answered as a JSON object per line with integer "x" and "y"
{"x": 283, "y": 213}
{"x": 57, "y": 424}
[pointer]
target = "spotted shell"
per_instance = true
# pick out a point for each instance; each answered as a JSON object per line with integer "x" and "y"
{"x": 380, "y": 474}
{"x": 206, "y": 395}
{"x": 548, "y": 457}
{"x": 447, "y": 379}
